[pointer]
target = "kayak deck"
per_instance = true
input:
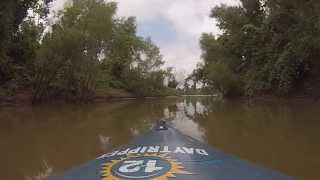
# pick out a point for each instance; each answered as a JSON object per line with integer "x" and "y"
{"x": 168, "y": 154}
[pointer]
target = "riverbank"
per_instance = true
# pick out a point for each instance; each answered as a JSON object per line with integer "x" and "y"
{"x": 277, "y": 99}
{"x": 24, "y": 97}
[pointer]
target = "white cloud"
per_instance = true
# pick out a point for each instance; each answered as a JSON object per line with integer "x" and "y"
{"x": 143, "y": 9}
{"x": 57, "y": 5}
{"x": 188, "y": 18}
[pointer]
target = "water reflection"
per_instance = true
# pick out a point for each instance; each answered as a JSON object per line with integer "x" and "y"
{"x": 280, "y": 135}
{"x": 105, "y": 142}
{"x": 42, "y": 175}
{"x": 182, "y": 114}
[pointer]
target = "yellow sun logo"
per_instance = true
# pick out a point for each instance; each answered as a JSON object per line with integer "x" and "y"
{"x": 147, "y": 166}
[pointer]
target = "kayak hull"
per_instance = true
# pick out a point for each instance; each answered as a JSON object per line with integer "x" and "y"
{"x": 169, "y": 154}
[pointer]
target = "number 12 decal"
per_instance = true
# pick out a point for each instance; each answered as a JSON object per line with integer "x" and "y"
{"x": 142, "y": 167}
{"x": 138, "y": 165}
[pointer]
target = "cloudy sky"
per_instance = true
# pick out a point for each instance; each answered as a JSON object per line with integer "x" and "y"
{"x": 174, "y": 25}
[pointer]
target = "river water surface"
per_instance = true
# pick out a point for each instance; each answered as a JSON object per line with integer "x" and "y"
{"x": 49, "y": 139}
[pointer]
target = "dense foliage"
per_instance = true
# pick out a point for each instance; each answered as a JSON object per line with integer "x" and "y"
{"x": 17, "y": 40}
{"x": 87, "y": 52}
{"x": 266, "y": 47}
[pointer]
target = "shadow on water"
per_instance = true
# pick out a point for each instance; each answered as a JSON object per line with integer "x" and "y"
{"x": 40, "y": 141}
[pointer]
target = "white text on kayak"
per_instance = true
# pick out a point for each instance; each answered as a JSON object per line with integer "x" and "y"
{"x": 156, "y": 149}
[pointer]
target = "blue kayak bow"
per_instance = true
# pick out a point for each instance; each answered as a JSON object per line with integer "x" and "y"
{"x": 165, "y": 153}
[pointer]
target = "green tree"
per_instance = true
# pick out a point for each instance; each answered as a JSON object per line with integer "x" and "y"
{"x": 69, "y": 57}
{"x": 19, "y": 40}
{"x": 13, "y": 39}
{"x": 172, "y": 82}
{"x": 89, "y": 50}
{"x": 266, "y": 47}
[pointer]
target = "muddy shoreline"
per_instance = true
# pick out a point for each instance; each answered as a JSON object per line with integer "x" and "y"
{"x": 25, "y": 99}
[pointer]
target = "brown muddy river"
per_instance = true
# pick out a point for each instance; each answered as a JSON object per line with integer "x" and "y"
{"x": 48, "y": 139}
